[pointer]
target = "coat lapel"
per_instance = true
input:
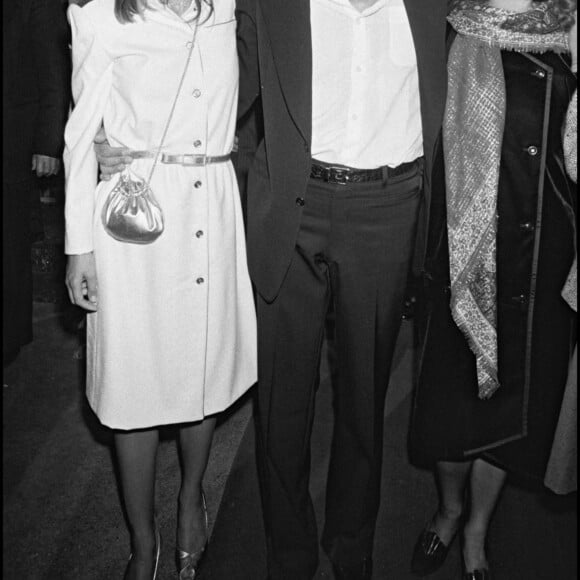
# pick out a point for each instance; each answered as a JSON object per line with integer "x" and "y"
{"x": 289, "y": 32}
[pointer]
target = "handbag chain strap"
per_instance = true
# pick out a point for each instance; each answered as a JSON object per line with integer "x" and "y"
{"x": 158, "y": 153}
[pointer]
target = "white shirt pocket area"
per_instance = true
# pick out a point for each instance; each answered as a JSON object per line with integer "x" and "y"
{"x": 401, "y": 45}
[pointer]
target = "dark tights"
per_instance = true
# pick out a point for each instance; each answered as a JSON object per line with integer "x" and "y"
{"x": 136, "y": 456}
{"x": 483, "y": 483}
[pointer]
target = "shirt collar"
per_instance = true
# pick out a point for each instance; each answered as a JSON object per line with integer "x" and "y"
{"x": 346, "y": 6}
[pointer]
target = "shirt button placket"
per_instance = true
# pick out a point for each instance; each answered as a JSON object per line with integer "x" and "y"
{"x": 356, "y": 74}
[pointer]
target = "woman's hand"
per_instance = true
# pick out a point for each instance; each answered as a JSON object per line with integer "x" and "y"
{"x": 81, "y": 281}
{"x": 111, "y": 159}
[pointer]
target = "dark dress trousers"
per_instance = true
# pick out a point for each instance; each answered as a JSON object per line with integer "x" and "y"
{"x": 536, "y": 327}
{"x": 36, "y": 78}
{"x": 310, "y": 244}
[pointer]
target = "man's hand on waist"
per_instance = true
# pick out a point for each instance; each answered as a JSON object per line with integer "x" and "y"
{"x": 111, "y": 160}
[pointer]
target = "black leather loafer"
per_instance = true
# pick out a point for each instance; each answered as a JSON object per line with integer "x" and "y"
{"x": 429, "y": 554}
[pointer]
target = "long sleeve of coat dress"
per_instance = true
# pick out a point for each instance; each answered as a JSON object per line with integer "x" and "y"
{"x": 91, "y": 84}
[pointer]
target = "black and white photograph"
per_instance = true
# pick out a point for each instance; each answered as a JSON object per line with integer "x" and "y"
{"x": 290, "y": 289}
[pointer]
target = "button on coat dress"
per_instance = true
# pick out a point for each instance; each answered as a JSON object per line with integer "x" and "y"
{"x": 174, "y": 338}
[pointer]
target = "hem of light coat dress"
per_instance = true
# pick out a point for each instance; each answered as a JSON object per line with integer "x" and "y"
{"x": 210, "y": 412}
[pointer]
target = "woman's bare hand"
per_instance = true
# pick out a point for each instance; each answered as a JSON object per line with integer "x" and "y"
{"x": 81, "y": 281}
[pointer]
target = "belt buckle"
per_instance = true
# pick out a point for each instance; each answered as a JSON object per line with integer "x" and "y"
{"x": 338, "y": 175}
{"x": 194, "y": 160}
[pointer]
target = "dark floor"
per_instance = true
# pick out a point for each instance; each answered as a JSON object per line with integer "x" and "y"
{"x": 533, "y": 536}
{"x": 62, "y": 517}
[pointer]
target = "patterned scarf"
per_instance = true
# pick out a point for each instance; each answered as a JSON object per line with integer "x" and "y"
{"x": 570, "y": 291}
{"x": 472, "y": 135}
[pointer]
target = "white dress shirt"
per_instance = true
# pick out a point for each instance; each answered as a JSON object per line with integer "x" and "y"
{"x": 366, "y": 107}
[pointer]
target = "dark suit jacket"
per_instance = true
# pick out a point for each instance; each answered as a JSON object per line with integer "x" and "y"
{"x": 274, "y": 43}
{"x": 36, "y": 80}
{"x": 250, "y": 132}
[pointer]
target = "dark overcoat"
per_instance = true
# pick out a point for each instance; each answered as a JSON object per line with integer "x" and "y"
{"x": 36, "y": 81}
{"x": 35, "y": 102}
{"x": 536, "y": 327}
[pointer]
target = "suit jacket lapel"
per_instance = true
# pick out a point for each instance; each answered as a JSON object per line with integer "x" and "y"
{"x": 289, "y": 31}
{"x": 428, "y": 25}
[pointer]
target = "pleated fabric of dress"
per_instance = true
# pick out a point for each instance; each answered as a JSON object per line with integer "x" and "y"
{"x": 174, "y": 338}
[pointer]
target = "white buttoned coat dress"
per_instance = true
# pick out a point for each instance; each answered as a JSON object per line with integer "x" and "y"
{"x": 174, "y": 337}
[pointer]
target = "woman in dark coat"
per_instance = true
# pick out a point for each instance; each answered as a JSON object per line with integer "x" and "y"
{"x": 496, "y": 334}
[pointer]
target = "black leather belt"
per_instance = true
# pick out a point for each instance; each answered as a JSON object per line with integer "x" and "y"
{"x": 342, "y": 175}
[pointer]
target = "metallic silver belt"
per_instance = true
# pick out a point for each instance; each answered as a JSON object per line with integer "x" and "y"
{"x": 188, "y": 159}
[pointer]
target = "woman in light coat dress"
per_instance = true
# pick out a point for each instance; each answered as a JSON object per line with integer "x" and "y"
{"x": 171, "y": 336}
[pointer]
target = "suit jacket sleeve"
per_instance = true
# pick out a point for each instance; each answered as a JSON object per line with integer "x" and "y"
{"x": 91, "y": 84}
{"x": 49, "y": 39}
{"x": 248, "y": 55}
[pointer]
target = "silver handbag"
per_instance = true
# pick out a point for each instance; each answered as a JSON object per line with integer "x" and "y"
{"x": 131, "y": 214}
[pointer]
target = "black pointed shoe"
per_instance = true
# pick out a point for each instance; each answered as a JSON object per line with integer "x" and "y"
{"x": 483, "y": 574}
{"x": 362, "y": 571}
{"x": 429, "y": 554}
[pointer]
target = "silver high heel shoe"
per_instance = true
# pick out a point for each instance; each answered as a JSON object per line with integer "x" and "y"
{"x": 157, "y": 554}
{"x": 188, "y": 562}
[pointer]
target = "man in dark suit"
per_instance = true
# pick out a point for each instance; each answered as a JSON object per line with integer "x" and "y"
{"x": 353, "y": 96}
{"x": 36, "y": 78}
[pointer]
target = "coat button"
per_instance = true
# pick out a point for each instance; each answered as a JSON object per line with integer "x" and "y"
{"x": 527, "y": 226}
{"x": 197, "y": 143}
{"x": 521, "y": 299}
{"x": 199, "y": 234}
{"x": 300, "y": 201}
{"x": 197, "y": 184}
{"x": 541, "y": 74}
{"x": 196, "y": 94}
{"x": 532, "y": 150}
{"x": 200, "y": 281}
